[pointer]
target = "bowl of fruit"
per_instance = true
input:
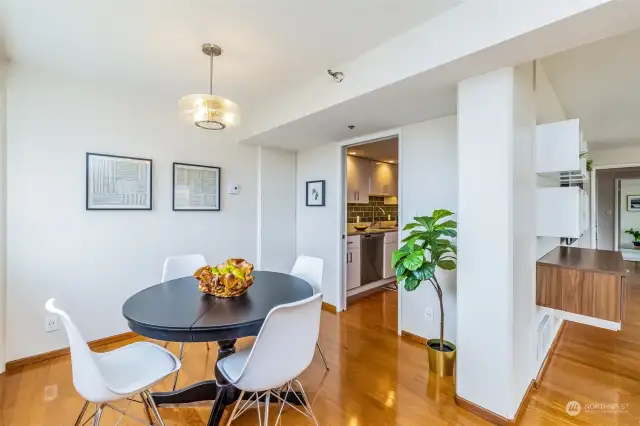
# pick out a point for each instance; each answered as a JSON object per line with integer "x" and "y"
{"x": 229, "y": 279}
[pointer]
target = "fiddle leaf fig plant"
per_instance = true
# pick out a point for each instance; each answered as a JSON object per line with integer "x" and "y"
{"x": 427, "y": 247}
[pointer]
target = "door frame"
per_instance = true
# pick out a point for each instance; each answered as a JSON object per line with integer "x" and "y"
{"x": 344, "y": 145}
{"x": 593, "y": 193}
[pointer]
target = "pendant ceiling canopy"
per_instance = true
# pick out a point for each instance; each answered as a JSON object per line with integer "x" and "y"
{"x": 209, "y": 111}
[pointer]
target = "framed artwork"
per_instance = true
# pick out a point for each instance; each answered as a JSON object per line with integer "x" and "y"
{"x": 633, "y": 203}
{"x": 118, "y": 183}
{"x": 315, "y": 193}
{"x": 196, "y": 188}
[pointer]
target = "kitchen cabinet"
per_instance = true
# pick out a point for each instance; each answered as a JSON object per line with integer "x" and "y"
{"x": 353, "y": 261}
{"x": 358, "y": 180}
{"x": 562, "y": 212}
{"x": 558, "y": 150}
{"x": 384, "y": 179}
{"x": 390, "y": 244}
{"x": 583, "y": 285}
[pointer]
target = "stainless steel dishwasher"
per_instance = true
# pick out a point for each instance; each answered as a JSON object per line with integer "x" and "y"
{"x": 371, "y": 257}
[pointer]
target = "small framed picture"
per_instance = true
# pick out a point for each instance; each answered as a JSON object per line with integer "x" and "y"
{"x": 315, "y": 193}
{"x": 118, "y": 183}
{"x": 633, "y": 203}
{"x": 196, "y": 188}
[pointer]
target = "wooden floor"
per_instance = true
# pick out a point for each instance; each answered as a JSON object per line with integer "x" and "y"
{"x": 376, "y": 378}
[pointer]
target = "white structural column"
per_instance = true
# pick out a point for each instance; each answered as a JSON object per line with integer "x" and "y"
{"x": 496, "y": 239}
{"x": 3, "y": 219}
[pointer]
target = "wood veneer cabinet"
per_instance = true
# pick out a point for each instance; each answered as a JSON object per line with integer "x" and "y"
{"x": 585, "y": 282}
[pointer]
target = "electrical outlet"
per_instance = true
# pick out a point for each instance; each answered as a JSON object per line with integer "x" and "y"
{"x": 50, "y": 323}
{"x": 428, "y": 314}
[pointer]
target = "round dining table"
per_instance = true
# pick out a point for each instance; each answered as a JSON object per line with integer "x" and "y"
{"x": 177, "y": 311}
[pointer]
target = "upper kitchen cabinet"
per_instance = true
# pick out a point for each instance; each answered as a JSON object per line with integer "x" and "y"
{"x": 358, "y": 180}
{"x": 562, "y": 212}
{"x": 559, "y": 148}
{"x": 384, "y": 179}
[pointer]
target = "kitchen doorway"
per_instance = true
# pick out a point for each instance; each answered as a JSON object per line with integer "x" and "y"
{"x": 370, "y": 216}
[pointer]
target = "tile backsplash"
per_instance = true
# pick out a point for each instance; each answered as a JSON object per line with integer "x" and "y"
{"x": 371, "y": 212}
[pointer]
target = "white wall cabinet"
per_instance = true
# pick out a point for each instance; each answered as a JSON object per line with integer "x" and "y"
{"x": 384, "y": 179}
{"x": 358, "y": 180}
{"x": 558, "y": 149}
{"x": 353, "y": 261}
{"x": 562, "y": 212}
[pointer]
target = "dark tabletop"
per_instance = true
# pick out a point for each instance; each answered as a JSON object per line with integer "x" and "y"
{"x": 177, "y": 311}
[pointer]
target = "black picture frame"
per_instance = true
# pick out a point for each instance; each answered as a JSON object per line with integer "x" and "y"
{"x": 322, "y": 188}
{"x": 173, "y": 188}
{"x": 89, "y": 206}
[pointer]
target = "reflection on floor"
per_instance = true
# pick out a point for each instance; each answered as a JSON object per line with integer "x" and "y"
{"x": 376, "y": 378}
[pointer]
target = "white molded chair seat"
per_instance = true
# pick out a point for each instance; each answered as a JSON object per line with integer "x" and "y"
{"x": 105, "y": 377}
{"x": 282, "y": 351}
{"x": 232, "y": 366}
{"x": 135, "y": 367}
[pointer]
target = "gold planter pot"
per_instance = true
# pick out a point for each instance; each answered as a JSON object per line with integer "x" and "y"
{"x": 441, "y": 363}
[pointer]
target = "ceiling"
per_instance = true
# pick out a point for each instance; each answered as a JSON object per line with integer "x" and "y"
{"x": 154, "y": 46}
{"x": 599, "y": 83}
{"x": 385, "y": 150}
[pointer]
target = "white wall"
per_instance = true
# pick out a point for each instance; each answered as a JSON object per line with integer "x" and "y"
{"x": 3, "y": 218}
{"x": 616, "y": 155}
{"x": 428, "y": 165}
{"x": 485, "y": 241}
{"x": 628, "y": 219}
{"x": 319, "y": 229}
{"x": 92, "y": 260}
{"x": 276, "y": 209}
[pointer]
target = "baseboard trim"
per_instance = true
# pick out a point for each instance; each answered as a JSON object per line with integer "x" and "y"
{"x": 414, "y": 337}
{"x": 547, "y": 359}
{"x": 329, "y": 307}
{"x": 13, "y": 365}
{"x": 492, "y": 417}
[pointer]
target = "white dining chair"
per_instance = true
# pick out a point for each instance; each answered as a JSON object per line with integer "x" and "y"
{"x": 282, "y": 351}
{"x": 179, "y": 267}
{"x": 102, "y": 378}
{"x": 310, "y": 269}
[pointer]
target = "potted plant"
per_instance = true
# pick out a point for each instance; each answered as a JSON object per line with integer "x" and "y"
{"x": 427, "y": 248}
{"x": 636, "y": 237}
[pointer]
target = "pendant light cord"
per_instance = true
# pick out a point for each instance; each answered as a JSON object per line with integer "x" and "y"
{"x": 211, "y": 73}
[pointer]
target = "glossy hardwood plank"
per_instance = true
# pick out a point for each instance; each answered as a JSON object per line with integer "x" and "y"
{"x": 376, "y": 378}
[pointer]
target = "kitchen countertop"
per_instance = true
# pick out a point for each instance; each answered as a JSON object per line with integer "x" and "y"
{"x": 374, "y": 231}
{"x": 604, "y": 261}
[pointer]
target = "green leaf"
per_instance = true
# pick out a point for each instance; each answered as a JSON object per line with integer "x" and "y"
{"x": 400, "y": 271}
{"x": 426, "y": 221}
{"x": 411, "y": 284}
{"x": 425, "y": 272}
{"x": 450, "y": 233}
{"x": 410, "y": 226}
{"x": 398, "y": 255}
{"x": 441, "y": 213}
{"x": 411, "y": 240}
{"x": 414, "y": 260}
{"x": 447, "y": 264}
{"x": 449, "y": 224}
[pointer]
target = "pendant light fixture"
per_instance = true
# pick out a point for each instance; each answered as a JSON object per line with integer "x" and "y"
{"x": 209, "y": 111}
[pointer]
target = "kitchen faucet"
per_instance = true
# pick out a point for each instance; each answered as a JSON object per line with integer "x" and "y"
{"x": 374, "y": 215}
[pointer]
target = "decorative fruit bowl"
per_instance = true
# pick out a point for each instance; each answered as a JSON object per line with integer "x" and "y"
{"x": 230, "y": 279}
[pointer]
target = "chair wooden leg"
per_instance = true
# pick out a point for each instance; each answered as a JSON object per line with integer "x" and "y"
{"x": 166, "y": 344}
{"x": 175, "y": 380}
{"x": 208, "y": 347}
{"x": 154, "y": 408}
{"x": 147, "y": 410}
{"x": 266, "y": 408}
{"x": 81, "y": 415}
{"x": 98, "y": 415}
{"x": 322, "y": 355}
